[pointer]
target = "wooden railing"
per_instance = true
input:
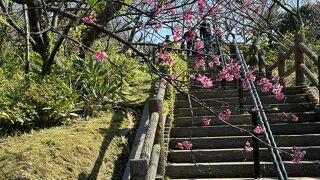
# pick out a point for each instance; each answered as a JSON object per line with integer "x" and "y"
{"x": 148, "y": 155}
{"x": 301, "y": 70}
{"x": 256, "y": 58}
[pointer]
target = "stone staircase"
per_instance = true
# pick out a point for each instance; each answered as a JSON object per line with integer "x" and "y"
{"x": 218, "y": 149}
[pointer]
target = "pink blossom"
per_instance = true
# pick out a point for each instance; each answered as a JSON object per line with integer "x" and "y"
{"x": 255, "y": 109}
{"x": 280, "y": 96}
{"x": 248, "y": 147}
{"x": 199, "y": 64}
{"x": 99, "y": 56}
{"x": 217, "y": 60}
{"x": 187, "y": 17}
{"x": 177, "y": 33}
{"x": 187, "y": 145}
{"x": 250, "y": 75}
{"x": 206, "y": 82}
{"x": 201, "y": 5}
{"x": 245, "y": 85}
{"x": 151, "y": 1}
{"x": 297, "y": 155}
{"x": 91, "y": 19}
{"x": 180, "y": 146}
{"x": 158, "y": 10}
{"x": 225, "y": 115}
{"x": 218, "y": 31}
{"x": 162, "y": 55}
{"x": 199, "y": 45}
{"x": 259, "y": 130}
{"x": 230, "y": 77}
{"x": 214, "y": 11}
{"x": 169, "y": 60}
{"x": 294, "y": 118}
{"x": 192, "y": 76}
{"x": 211, "y": 64}
{"x": 206, "y": 121}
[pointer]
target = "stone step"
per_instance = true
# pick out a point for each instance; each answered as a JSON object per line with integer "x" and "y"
{"x": 239, "y": 170}
{"x": 225, "y": 130}
{"x": 270, "y": 99}
{"x": 185, "y": 121}
{"x": 219, "y": 93}
{"x": 290, "y": 178}
{"x": 239, "y": 141}
{"x": 234, "y": 155}
{"x": 269, "y": 108}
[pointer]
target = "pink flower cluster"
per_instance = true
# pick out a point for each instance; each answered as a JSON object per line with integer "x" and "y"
{"x": 225, "y": 115}
{"x": 277, "y": 90}
{"x": 201, "y": 5}
{"x": 200, "y": 63}
{"x": 250, "y": 76}
{"x": 297, "y": 155}
{"x": 165, "y": 57}
{"x": 230, "y": 72}
{"x": 99, "y": 56}
{"x": 206, "y": 121}
{"x": 215, "y": 62}
{"x": 265, "y": 84}
{"x": 248, "y": 147}
{"x": 91, "y": 19}
{"x": 294, "y": 118}
{"x": 198, "y": 45}
{"x": 205, "y": 81}
{"x": 259, "y": 130}
{"x": 177, "y": 33}
{"x": 185, "y": 145}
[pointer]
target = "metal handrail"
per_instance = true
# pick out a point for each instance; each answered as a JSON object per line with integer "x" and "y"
{"x": 276, "y": 158}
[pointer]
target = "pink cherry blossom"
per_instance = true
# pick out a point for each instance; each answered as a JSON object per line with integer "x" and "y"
{"x": 248, "y": 147}
{"x": 187, "y": 145}
{"x": 245, "y": 85}
{"x": 205, "y": 81}
{"x": 294, "y": 118}
{"x": 91, "y": 19}
{"x": 206, "y": 121}
{"x": 99, "y": 56}
{"x": 259, "y": 130}
{"x": 193, "y": 76}
{"x": 187, "y": 17}
{"x": 180, "y": 146}
{"x": 225, "y": 115}
{"x": 216, "y": 61}
{"x": 169, "y": 60}
{"x": 199, "y": 64}
{"x": 255, "y": 109}
{"x": 297, "y": 155}
{"x": 211, "y": 64}
{"x": 201, "y": 5}
{"x": 199, "y": 45}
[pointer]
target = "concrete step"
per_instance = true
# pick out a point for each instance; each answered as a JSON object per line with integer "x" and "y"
{"x": 269, "y": 108}
{"x": 238, "y": 170}
{"x": 219, "y": 93}
{"x": 225, "y": 130}
{"x": 239, "y": 141}
{"x": 270, "y": 99}
{"x": 234, "y": 155}
{"x": 290, "y": 178}
{"x": 185, "y": 121}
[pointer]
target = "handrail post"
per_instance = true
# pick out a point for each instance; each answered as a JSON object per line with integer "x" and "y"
{"x": 299, "y": 59}
{"x": 281, "y": 66}
{"x": 255, "y": 145}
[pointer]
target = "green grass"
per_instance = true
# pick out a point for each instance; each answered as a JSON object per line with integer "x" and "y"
{"x": 89, "y": 149}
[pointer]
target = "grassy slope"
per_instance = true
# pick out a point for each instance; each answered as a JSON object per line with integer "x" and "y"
{"x": 68, "y": 152}
{"x": 85, "y": 150}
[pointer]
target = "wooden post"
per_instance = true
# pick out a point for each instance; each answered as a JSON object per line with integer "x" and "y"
{"x": 262, "y": 64}
{"x": 299, "y": 59}
{"x": 281, "y": 66}
{"x": 150, "y": 136}
{"x": 152, "y": 169}
{"x": 138, "y": 169}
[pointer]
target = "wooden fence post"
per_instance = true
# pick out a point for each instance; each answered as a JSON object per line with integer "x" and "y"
{"x": 138, "y": 168}
{"x": 155, "y": 105}
{"x": 281, "y": 66}
{"x": 299, "y": 59}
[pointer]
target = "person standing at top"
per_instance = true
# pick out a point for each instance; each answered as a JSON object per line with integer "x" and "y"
{"x": 189, "y": 37}
{"x": 205, "y": 34}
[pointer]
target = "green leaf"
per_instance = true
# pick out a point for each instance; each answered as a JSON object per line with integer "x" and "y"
{"x": 4, "y": 21}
